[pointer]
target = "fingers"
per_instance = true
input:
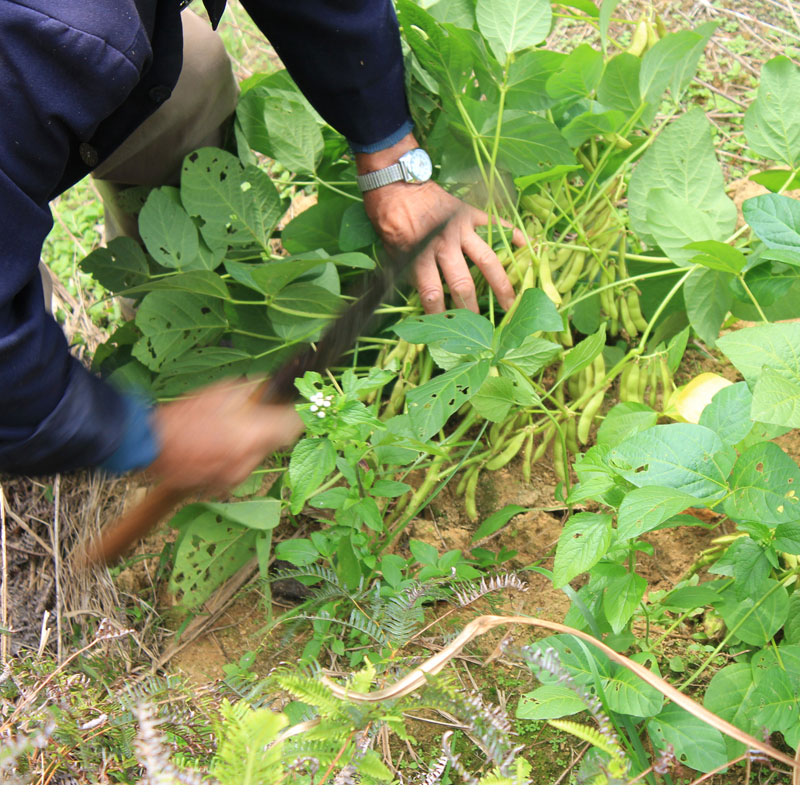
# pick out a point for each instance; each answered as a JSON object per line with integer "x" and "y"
{"x": 489, "y": 264}
{"x": 429, "y": 284}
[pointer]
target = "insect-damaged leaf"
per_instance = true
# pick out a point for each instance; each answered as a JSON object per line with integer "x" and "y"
{"x": 433, "y": 403}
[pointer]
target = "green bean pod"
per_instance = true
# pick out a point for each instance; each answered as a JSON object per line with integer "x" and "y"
{"x": 572, "y": 272}
{"x": 623, "y": 383}
{"x": 633, "y": 383}
{"x": 644, "y": 377}
{"x": 635, "y": 310}
{"x": 558, "y": 458}
{"x": 546, "y": 279}
{"x": 527, "y": 452}
{"x": 547, "y": 435}
{"x": 587, "y": 416}
{"x": 511, "y": 449}
{"x": 571, "y": 435}
{"x": 625, "y": 317}
{"x": 667, "y": 387}
{"x": 470, "y": 492}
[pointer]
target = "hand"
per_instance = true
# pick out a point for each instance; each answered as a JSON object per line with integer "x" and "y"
{"x": 213, "y": 439}
{"x": 403, "y": 213}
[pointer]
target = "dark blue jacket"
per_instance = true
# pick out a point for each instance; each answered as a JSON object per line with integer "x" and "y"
{"x": 78, "y": 76}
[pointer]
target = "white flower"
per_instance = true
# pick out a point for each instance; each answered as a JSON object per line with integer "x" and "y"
{"x": 321, "y": 414}
{"x": 314, "y": 407}
{"x": 326, "y": 403}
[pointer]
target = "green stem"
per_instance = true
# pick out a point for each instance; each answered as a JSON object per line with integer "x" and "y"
{"x": 752, "y": 298}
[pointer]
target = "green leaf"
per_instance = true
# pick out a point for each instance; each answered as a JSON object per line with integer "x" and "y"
{"x": 584, "y": 353}
{"x": 528, "y": 144}
{"x": 775, "y": 701}
{"x": 582, "y": 663}
{"x": 729, "y": 695}
{"x": 627, "y": 693}
{"x": 356, "y": 230}
{"x": 624, "y": 420}
{"x": 606, "y": 10}
{"x": 312, "y": 460}
{"x": 682, "y": 162}
{"x": 261, "y": 514}
{"x": 589, "y": 124}
{"x": 728, "y": 413}
{"x": 316, "y": 227}
{"x": 775, "y": 346}
{"x": 383, "y": 488}
{"x": 682, "y": 456}
{"x": 776, "y": 179}
{"x": 197, "y": 282}
{"x": 424, "y": 553}
{"x": 119, "y": 266}
{"x": 458, "y": 12}
{"x": 495, "y": 521}
{"x": 527, "y": 79}
{"x": 235, "y": 205}
{"x": 532, "y": 355}
{"x": 619, "y": 86}
{"x": 534, "y": 312}
{"x": 207, "y": 553}
{"x": 433, "y": 403}
{"x": 750, "y": 566}
{"x": 166, "y": 230}
{"x": 689, "y": 597}
{"x": 787, "y": 538}
{"x": 305, "y": 298}
{"x": 457, "y": 331}
{"x": 708, "y": 299}
{"x": 584, "y": 541}
{"x": 755, "y": 620}
{"x": 718, "y": 255}
{"x": 300, "y": 552}
{"x": 776, "y": 398}
{"x": 697, "y": 744}
{"x": 764, "y": 485}
{"x": 174, "y": 322}
{"x": 513, "y": 25}
{"x": 672, "y": 62}
{"x": 622, "y": 597}
{"x": 199, "y": 367}
{"x": 549, "y": 702}
{"x": 772, "y": 122}
{"x": 578, "y": 75}
{"x": 775, "y": 219}
{"x": 646, "y": 508}
{"x": 348, "y": 568}
{"x": 498, "y": 394}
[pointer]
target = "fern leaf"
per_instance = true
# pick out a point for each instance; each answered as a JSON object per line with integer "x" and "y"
{"x": 587, "y": 734}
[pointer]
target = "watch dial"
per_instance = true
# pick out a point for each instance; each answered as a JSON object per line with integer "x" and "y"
{"x": 419, "y": 165}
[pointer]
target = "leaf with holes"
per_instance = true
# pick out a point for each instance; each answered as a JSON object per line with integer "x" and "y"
{"x": 627, "y": 693}
{"x": 683, "y": 456}
{"x": 172, "y": 323}
{"x": 458, "y": 331}
{"x": 549, "y": 702}
{"x": 119, "y": 266}
{"x": 433, "y": 403}
{"x": 167, "y": 231}
{"x": 764, "y": 486}
{"x": 696, "y": 743}
{"x": 585, "y": 539}
{"x": 236, "y": 205}
{"x": 208, "y": 551}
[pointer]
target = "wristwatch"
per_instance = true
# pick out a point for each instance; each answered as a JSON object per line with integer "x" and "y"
{"x": 412, "y": 167}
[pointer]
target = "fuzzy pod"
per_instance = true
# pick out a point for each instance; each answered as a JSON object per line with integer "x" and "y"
{"x": 511, "y": 449}
{"x": 625, "y": 318}
{"x": 571, "y": 435}
{"x": 633, "y": 383}
{"x": 623, "y": 383}
{"x": 635, "y": 310}
{"x": 527, "y": 452}
{"x": 587, "y": 416}
{"x": 546, "y": 278}
{"x": 547, "y": 436}
{"x": 470, "y": 492}
{"x": 639, "y": 40}
{"x": 558, "y": 459}
{"x": 572, "y": 272}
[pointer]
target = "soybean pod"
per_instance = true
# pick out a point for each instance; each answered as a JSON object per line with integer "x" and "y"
{"x": 587, "y": 416}
{"x": 527, "y": 452}
{"x": 470, "y": 492}
{"x": 511, "y": 449}
{"x": 546, "y": 279}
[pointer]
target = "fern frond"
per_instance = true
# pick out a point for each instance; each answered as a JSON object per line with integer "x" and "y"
{"x": 587, "y": 734}
{"x": 467, "y": 592}
{"x": 310, "y": 691}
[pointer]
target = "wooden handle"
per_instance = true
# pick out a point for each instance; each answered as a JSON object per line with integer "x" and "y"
{"x": 134, "y": 525}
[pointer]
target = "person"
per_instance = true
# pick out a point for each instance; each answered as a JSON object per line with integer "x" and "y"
{"x": 126, "y": 90}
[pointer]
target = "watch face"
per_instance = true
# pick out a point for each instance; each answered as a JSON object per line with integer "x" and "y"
{"x": 418, "y": 165}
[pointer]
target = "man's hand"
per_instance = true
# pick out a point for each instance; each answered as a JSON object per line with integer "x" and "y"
{"x": 215, "y": 438}
{"x": 403, "y": 213}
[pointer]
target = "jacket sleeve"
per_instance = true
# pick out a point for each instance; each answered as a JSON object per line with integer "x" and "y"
{"x": 54, "y": 415}
{"x": 345, "y": 56}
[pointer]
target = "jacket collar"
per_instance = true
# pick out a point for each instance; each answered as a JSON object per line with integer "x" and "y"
{"x": 214, "y": 9}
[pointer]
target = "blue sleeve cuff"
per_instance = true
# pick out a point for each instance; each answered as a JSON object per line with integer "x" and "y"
{"x": 138, "y": 447}
{"x": 388, "y": 141}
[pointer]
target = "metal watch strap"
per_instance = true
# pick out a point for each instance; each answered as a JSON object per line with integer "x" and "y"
{"x": 380, "y": 177}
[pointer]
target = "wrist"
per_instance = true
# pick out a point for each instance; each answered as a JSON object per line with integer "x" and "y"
{"x": 369, "y": 162}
